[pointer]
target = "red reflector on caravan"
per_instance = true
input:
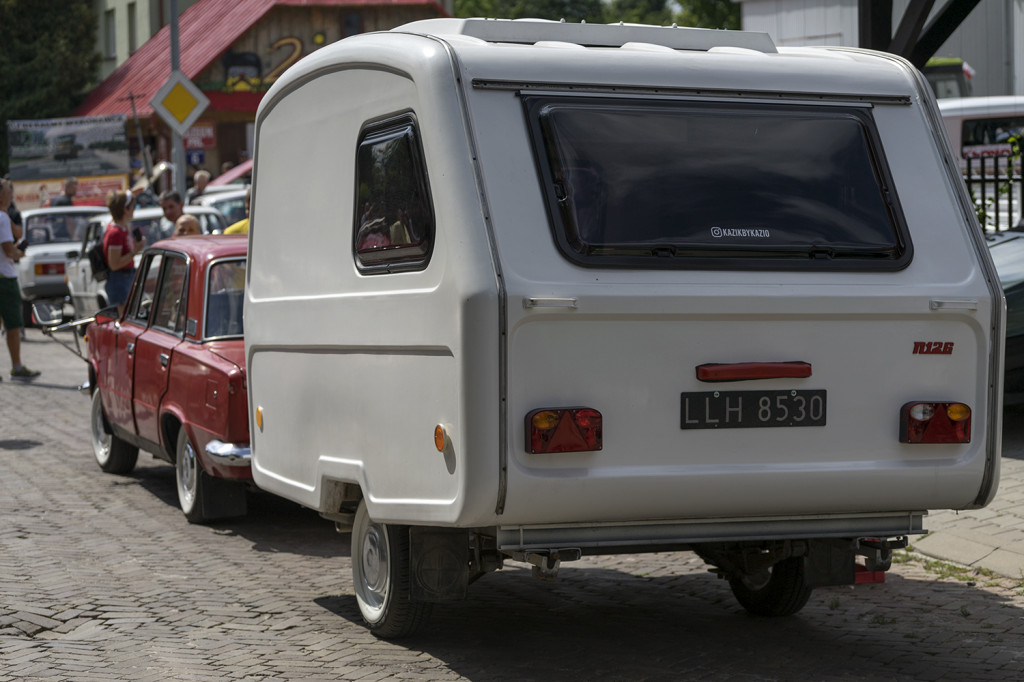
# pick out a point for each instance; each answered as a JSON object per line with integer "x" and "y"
{"x": 565, "y": 429}
{"x": 925, "y": 422}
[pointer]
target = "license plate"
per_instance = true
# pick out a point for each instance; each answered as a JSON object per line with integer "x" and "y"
{"x": 752, "y": 409}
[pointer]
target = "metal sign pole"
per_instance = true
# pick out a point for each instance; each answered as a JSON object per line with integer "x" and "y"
{"x": 177, "y": 143}
{"x": 147, "y": 163}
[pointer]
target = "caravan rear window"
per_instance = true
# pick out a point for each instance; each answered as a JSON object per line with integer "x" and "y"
{"x": 645, "y": 183}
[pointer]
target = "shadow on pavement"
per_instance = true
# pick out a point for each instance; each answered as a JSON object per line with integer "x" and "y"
{"x": 688, "y": 626}
{"x": 1013, "y": 431}
{"x": 272, "y": 524}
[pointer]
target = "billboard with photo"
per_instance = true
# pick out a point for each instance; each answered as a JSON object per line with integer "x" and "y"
{"x": 46, "y": 151}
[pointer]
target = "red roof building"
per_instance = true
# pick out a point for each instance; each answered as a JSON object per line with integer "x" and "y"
{"x": 234, "y": 50}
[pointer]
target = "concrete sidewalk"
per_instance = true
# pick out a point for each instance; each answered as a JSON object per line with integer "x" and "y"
{"x": 991, "y": 538}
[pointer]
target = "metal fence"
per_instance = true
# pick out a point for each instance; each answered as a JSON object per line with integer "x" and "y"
{"x": 996, "y": 185}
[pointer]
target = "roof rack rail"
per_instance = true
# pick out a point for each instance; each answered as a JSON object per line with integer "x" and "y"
{"x": 529, "y": 31}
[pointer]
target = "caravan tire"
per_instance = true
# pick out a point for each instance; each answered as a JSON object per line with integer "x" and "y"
{"x": 782, "y": 592}
{"x": 380, "y": 576}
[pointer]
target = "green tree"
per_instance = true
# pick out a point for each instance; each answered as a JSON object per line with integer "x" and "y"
{"x": 699, "y": 13}
{"x": 47, "y": 59}
{"x": 654, "y": 12}
{"x": 709, "y": 14}
{"x": 570, "y": 10}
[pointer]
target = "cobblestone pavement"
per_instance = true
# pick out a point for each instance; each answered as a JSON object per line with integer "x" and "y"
{"x": 101, "y": 578}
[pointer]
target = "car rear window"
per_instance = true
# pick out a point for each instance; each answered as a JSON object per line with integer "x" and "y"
{"x": 647, "y": 183}
{"x": 225, "y": 290}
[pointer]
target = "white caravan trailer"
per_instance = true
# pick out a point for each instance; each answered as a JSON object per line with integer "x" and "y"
{"x": 528, "y": 291}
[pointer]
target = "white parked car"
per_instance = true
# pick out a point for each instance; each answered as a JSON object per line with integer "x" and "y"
{"x": 88, "y": 295}
{"x": 51, "y": 234}
{"x": 230, "y": 202}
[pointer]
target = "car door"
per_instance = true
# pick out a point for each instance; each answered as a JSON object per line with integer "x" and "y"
{"x": 81, "y": 286}
{"x": 155, "y": 346}
{"x": 118, "y": 368}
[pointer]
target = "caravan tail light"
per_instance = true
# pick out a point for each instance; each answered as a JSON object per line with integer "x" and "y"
{"x": 935, "y": 423}
{"x": 564, "y": 429}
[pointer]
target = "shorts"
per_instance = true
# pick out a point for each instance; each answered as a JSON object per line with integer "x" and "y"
{"x": 10, "y": 303}
{"x": 119, "y": 283}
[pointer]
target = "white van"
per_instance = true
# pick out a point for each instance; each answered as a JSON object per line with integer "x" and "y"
{"x": 527, "y": 291}
{"x": 981, "y": 127}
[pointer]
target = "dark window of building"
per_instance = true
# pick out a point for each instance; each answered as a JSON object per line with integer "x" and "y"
{"x": 110, "y": 34}
{"x": 353, "y": 24}
{"x": 133, "y": 39}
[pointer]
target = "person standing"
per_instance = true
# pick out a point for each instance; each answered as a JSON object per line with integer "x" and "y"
{"x": 186, "y": 225}
{"x": 199, "y": 182}
{"x": 68, "y": 198}
{"x": 120, "y": 247}
{"x": 170, "y": 202}
{"x": 10, "y": 292}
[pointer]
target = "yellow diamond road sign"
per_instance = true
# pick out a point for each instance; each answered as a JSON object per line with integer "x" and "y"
{"x": 179, "y": 102}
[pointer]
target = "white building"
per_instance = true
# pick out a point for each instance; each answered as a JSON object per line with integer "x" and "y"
{"x": 991, "y": 39}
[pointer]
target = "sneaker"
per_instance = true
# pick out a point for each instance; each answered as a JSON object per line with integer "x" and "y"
{"x": 24, "y": 373}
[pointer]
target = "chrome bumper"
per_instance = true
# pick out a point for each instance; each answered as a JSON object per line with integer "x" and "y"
{"x": 229, "y": 454}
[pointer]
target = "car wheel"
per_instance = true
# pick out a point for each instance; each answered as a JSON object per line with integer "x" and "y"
{"x": 782, "y": 590}
{"x": 191, "y": 479}
{"x": 380, "y": 575}
{"x": 202, "y": 497}
{"x": 27, "y": 318}
{"x": 114, "y": 455}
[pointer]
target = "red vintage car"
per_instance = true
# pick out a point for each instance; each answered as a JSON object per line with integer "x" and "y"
{"x": 168, "y": 375}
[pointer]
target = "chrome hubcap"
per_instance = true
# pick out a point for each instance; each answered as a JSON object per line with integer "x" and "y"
{"x": 374, "y": 562}
{"x": 187, "y": 473}
{"x": 101, "y": 438}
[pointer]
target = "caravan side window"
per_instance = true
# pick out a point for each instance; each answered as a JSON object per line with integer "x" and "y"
{"x": 393, "y": 227}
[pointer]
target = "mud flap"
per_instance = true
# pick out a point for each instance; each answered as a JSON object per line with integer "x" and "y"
{"x": 830, "y": 563}
{"x": 438, "y": 564}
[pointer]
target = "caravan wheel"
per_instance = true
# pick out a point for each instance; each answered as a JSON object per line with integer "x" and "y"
{"x": 780, "y": 591}
{"x": 380, "y": 576}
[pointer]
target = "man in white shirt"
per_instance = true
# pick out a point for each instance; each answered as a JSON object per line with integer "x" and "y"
{"x": 10, "y": 292}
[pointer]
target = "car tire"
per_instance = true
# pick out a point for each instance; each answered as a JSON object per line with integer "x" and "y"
{"x": 114, "y": 455}
{"x": 204, "y": 498}
{"x": 380, "y": 576}
{"x": 26, "y": 315}
{"x": 780, "y": 591}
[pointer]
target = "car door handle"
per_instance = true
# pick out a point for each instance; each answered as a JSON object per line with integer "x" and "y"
{"x": 164, "y": 359}
{"x": 130, "y": 348}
